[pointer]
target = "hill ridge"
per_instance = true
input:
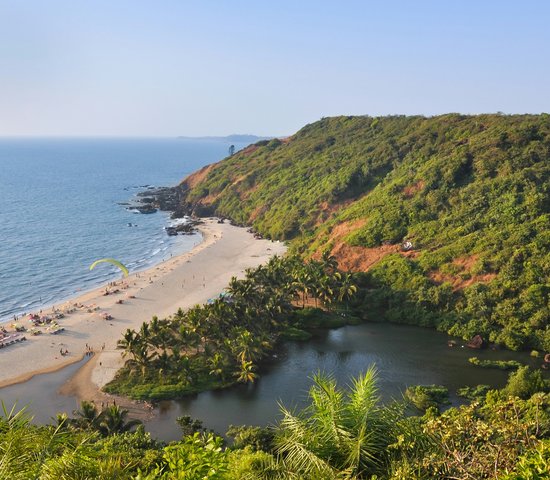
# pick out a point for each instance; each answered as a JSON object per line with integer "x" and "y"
{"x": 455, "y": 186}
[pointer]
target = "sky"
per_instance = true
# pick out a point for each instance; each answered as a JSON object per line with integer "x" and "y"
{"x": 214, "y": 67}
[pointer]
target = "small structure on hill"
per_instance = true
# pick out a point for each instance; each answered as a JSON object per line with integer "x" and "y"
{"x": 407, "y": 246}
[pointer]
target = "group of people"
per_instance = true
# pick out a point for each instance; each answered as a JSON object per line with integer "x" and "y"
{"x": 90, "y": 351}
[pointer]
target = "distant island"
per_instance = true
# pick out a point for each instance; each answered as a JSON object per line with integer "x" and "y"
{"x": 235, "y": 137}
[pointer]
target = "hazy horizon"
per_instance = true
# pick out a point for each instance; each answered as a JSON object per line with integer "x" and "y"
{"x": 179, "y": 68}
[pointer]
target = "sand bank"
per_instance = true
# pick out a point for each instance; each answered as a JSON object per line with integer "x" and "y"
{"x": 180, "y": 282}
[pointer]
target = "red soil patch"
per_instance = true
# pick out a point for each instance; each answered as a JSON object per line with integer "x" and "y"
{"x": 285, "y": 139}
{"x": 259, "y": 210}
{"x": 409, "y": 254}
{"x": 326, "y": 210}
{"x": 466, "y": 263}
{"x": 457, "y": 282}
{"x": 209, "y": 199}
{"x": 410, "y": 190}
{"x": 249, "y": 150}
{"x": 345, "y": 228}
{"x": 356, "y": 259}
{"x": 195, "y": 178}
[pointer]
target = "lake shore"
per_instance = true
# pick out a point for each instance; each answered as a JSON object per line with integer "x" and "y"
{"x": 179, "y": 282}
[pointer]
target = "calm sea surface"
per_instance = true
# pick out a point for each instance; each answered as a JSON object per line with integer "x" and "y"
{"x": 60, "y": 211}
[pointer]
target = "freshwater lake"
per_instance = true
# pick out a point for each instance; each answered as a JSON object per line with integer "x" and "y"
{"x": 403, "y": 355}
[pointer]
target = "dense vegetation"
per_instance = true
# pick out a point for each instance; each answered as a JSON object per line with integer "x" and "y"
{"x": 471, "y": 194}
{"x": 222, "y": 342}
{"x": 341, "y": 434}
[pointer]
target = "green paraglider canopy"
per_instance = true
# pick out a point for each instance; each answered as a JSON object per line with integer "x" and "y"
{"x": 114, "y": 262}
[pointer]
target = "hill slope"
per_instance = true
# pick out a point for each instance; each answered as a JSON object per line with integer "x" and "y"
{"x": 471, "y": 193}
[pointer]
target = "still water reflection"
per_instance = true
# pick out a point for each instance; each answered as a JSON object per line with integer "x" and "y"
{"x": 403, "y": 355}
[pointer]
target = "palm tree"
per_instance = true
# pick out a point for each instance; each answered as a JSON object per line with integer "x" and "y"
{"x": 246, "y": 373}
{"x": 338, "y": 432}
{"x": 26, "y": 449}
{"x": 347, "y": 288}
{"x": 182, "y": 365}
{"x": 129, "y": 343}
{"x": 328, "y": 262}
{"x": 143, "y": 357}
{"x": 217, "y": 364}
{"x": 189, "y": 338}
{"x": 88, "y": 416}
{"x": 163, "y": 361}
{"x": 113, "y": 420}
{"x": 325, "y": 290}
{"x": 62, "y": 421}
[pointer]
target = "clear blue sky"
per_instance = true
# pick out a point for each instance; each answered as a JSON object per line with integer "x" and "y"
{"x": 176, "y": 67}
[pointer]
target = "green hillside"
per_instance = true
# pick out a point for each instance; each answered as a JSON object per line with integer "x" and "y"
{"x": 471, "y": 193}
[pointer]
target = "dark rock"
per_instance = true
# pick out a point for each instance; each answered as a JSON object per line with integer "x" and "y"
{"x": 144, "y": 208}
{"x": 476, "y": 342}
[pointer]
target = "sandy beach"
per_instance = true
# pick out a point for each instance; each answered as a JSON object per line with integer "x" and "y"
{"x": 179, "y": 282}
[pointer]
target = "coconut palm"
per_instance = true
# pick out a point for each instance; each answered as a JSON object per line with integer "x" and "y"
{"x": 217, "y": 364}
{"x": 337, "y": 432}
{"x": 129, "y": 343}
{"x": 347, "y": 288}
{"x": 246, "y": 373}
{"x": 24, "y": 448}
{"x": 87, "y": 416}
{"x": 328, "y": 262}
{"x": 113, "y": 420}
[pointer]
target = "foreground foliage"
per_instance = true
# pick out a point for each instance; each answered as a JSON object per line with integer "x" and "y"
{"x": 342, "y": 434}
{"x": 426, "y": 396}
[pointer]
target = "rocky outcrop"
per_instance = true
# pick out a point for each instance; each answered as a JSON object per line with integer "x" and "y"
{"x": 164, "y": 198}
{"x": 476, "y": 342}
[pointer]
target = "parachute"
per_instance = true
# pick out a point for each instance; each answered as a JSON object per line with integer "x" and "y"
{"x": 114, "y": 262}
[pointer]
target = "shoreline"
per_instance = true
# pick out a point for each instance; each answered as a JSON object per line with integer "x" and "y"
{"x": 179, "y": 282}
{"x": 85, "y": 290}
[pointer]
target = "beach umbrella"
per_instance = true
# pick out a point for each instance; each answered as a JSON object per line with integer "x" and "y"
{"x": 116, "y": 263}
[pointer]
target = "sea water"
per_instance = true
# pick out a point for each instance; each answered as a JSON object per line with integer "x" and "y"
{"x": 61, "y": 210}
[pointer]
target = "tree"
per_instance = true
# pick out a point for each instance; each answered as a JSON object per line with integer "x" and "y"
{"x": 246, "y": 373}
{"x": 524, "y": 382}
{"x": 113, "y": 420}
{"x": 347, "y": 288}
{"x": 338, "y": 432}
{"x": 195, "y": 457}
{"x": 129, "y": 343}
{"x": 217, "y": 365}
{"x": 87, "y": 416}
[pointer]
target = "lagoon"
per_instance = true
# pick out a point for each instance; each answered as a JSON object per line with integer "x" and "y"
{"x": 404, "y": 355}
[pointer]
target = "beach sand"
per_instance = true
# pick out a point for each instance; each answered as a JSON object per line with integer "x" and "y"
{"x": 180, "y": 282}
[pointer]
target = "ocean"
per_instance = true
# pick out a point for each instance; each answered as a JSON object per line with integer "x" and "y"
{"x": 61, "y": 211}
